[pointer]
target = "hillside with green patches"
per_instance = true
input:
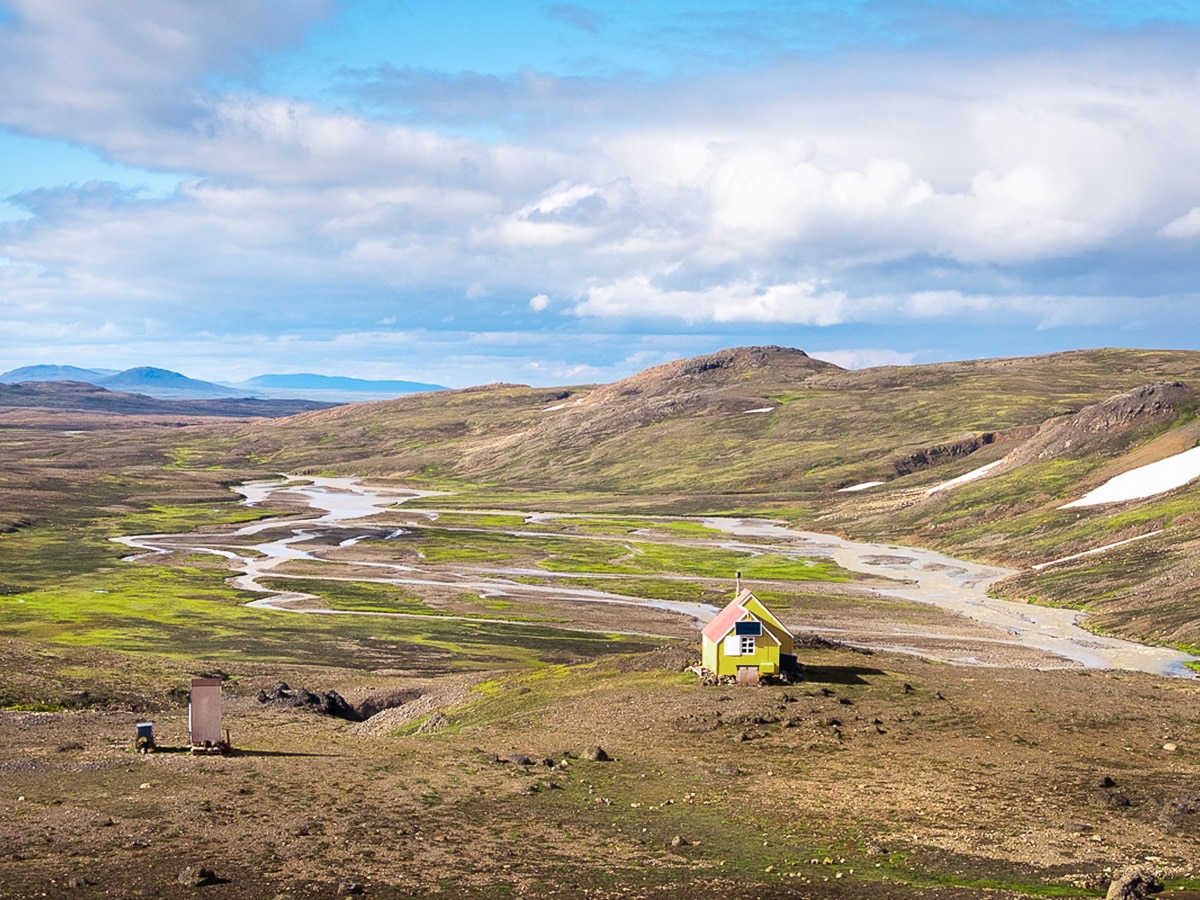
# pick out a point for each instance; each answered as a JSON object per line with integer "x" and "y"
{"x": 768, "y": 430}
{"x": 754, "y": 430}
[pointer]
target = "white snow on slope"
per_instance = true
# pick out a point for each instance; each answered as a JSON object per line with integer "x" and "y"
{"x": 860, "y": 487}
{"x": 1146, "y": 481}
{"x": 963, "y": 479}
{"x": 1094, "y": 550}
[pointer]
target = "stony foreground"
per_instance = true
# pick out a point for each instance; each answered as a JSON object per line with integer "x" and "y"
{"x": 877, "y": 776}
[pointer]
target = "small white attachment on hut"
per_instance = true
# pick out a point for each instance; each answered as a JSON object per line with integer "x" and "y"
{"x": 204, "y": 716}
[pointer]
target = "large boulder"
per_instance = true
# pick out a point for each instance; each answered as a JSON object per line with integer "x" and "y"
{"x": 1134, "y": 883}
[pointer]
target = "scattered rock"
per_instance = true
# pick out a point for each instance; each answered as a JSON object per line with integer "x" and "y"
{"x": 197, "y": 876}
{"x": 1170, "y": 748}
{"x": 1180, "y": 814}
{"x": 79, "y": 881}
{"x": 352, "y": 888}
{"x": 874, "y": 848}
{"x": 435, "y": 722}
{"x": 519, "y": 759}
{"x": 1134, "y": 883}
{"x": 68, "y": 747}
{"x": 105, "y": 822}
{"x": 1112, "y": 799}
{"x": 1104, "y": 781}
{"x": 334, "y": 704}
{"x": 596, "y": 754}
{"x": 384, "y": 700}
{"x": 329, "y": 703}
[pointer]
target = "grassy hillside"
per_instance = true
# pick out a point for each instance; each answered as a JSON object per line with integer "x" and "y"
{"x": 700, "y": 425}
{"x": 771, "y": 430}
{"x": 749, "y": 430}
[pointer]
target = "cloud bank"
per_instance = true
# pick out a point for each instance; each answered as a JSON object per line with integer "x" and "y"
{"x": 877, "y": 187}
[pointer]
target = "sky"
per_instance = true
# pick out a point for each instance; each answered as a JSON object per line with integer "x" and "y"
{"x": 562, "y": 193}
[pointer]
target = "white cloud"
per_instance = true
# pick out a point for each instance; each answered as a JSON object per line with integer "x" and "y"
{"x": 864, "y": 358}
{"x": 744, "y": 301}
{"x": 935, "y": 304}
{"x": 1186, "y": 226}
{"x": 879, "y": 188}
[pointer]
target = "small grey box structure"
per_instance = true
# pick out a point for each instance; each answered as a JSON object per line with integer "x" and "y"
{"x": 204, "y": 716}
{"x": 145, "y": 737}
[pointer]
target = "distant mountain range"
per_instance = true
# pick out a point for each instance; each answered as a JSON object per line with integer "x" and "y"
{"x": 70, "y": 402}
{"x": 332, "y": 387}
{"x": 164, "y": 384}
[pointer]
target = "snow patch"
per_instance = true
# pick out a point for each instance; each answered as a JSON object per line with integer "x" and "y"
{"x": 553, "y": 408}
{"x": 761, "y": 409}
{"x": 1055, "y": 562}
{"x": 1144, "y": 481}
{"x": 963, "y": 479}
{"x": 860, "y": 487}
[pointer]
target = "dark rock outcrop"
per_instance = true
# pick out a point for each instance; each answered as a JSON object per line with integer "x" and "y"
{"x": 1134, "y": 883}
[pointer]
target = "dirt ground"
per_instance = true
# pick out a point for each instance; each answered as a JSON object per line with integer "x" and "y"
{"x": 877, "y": 775}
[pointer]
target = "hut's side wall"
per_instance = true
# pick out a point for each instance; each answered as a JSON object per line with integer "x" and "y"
{"x": 204, "y": 712}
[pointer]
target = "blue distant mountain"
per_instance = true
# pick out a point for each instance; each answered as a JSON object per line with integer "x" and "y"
{"x": 164, "y": 384}
{"x": 322, "y": 386}
{"x": 54, "y": 373}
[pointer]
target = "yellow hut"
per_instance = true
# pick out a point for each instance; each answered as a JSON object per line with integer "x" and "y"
{"x": 745, "y": 640}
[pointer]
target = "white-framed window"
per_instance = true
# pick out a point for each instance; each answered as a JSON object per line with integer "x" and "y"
{"x": 746, "y": 645}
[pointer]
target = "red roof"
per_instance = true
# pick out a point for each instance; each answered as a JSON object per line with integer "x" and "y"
{"x": 725, "y": 619}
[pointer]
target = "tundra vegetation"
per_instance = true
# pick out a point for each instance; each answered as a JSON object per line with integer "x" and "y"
{"x": 876, "y": 775}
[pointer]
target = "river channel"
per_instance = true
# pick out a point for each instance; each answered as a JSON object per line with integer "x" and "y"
{"x": 1052, "y": 637}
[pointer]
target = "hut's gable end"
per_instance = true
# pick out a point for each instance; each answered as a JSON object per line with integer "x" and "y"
{"x": 745, "y": 635}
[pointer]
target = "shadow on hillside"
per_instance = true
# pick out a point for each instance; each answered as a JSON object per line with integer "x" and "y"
{"x": 837, "y": 674}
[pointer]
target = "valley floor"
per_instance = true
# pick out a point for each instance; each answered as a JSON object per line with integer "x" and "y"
{"x": 877, "y": 775}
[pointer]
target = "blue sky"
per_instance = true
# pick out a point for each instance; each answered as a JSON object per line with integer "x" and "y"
{"x": 556, "y": 193}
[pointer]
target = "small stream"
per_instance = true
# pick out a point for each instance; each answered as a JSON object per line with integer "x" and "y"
{"x": 926, "y": 576}
{"x": 919, "y": 575}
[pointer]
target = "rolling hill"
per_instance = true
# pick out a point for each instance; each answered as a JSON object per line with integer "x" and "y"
{"x": 771, "y": 430}
{"x": 80, "y": 397}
